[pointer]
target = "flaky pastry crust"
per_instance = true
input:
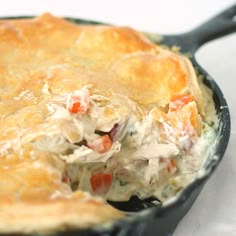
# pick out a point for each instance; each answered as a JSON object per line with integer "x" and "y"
{"x": 48, "y": 56}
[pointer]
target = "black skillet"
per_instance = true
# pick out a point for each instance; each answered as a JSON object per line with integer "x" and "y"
{"x": 147, "y": 217}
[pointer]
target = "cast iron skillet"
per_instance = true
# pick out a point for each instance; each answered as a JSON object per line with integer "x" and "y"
{"x": 149, "y": 218}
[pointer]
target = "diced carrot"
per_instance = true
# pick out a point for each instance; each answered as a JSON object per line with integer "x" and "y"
{"x": 101, "y": 182}
{"x": 101, "y": 145}
{"x": 76, "y": 107}
{"x": 170, "y": 165}
{"x": 179, "y": 101}
{"x": 78, "y": 102}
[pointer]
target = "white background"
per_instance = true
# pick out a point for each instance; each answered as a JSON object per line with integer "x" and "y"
{"x": 214, "y": 212}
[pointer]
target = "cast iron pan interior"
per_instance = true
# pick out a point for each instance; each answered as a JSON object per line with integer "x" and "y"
{"x": 149, "y": 217}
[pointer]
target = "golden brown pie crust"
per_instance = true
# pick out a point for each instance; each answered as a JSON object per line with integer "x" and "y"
{"x": 48, "y": 56}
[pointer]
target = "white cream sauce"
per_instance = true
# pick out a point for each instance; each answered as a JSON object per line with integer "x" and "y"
{"x": 139, "y": 163}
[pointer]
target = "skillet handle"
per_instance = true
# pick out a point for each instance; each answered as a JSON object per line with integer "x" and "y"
{"x": 222, "y": 24}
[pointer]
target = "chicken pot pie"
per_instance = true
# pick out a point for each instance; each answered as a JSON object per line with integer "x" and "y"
{"x": 93, "y": 113}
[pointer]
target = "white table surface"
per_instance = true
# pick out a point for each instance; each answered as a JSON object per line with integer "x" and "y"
{"x": 214, "y": 212}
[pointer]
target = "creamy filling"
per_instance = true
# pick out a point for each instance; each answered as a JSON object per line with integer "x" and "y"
{"x": 110, "y": 151}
